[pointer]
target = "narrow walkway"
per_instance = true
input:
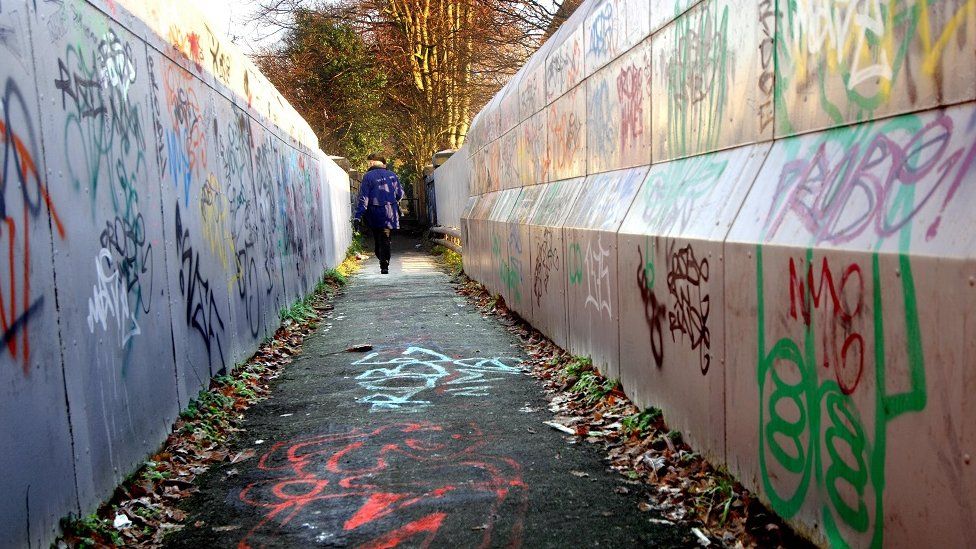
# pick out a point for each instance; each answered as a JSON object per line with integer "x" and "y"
{"x": 434, "y": 437}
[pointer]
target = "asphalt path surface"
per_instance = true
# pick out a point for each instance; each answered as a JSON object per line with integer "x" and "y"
{"x": 434, "y": 437}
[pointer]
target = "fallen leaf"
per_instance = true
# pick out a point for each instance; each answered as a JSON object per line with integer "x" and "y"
{"x": 560, "y": 427}
{"x": 241, "y": 456}
{"x": 644, "y": 506}
{"x": 227, "y": 528}
{"x": 580, "y": 474}
{"x": 361, "y": 348}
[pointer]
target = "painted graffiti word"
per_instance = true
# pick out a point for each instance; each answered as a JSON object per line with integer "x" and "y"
{"x": 213, "y": 217}
{"x": 630, "y": 83}
{"x": 697, "y": 70}
{"x": 563, "y": 69}
{"x": 567, "y": 133}
{"x": 848, "y": 31}
{"x": 85, "y": 93}
{"x": 186, "y": 141}
{"x": 187, "y": 45}
{"x": 767, "y": 78}
{"x": 598, "y": 278}
{"x": 219, "y": 60}
{"x": 689, "y": 314}
{"x": 127, "y": 241}
{"x": 815, "y": 441}
{"x": 23, "y": 197}
{"x": 676, "y": 189}
{"x": 700, "y": 61}
{"x": 397, "y": 383}
{"x": 110, "y": 299}
{"x": 602, "y": 130}
{"x": 602, "y": 31}
{"x": 510, "y": 272}
{"x": 115, "y": 59}
{"x": 843, "y": 347}
{"x": 200, "y": 310}
{"x": 654, "y": 311}
{"x": 546, "y": 262}
{"x": 854, "y": 184}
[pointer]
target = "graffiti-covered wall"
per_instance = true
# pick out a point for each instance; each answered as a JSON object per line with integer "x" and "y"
{"x": 758, "y": 216}
{"x": 160, "y": 204}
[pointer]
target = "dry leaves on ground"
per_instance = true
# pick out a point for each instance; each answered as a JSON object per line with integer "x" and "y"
{"x": 687, "y": 489}
{"x": 145, "y": 506}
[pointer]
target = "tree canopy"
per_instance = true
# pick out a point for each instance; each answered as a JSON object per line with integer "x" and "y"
{"x": 333, "y": 78}
{"x": 402, "y": 76}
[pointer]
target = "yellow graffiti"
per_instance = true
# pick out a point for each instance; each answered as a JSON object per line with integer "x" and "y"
{"x": 213, "y": 218}
{"x": 868, "y": 40}
{"x": 933, "y": 52}
{"x": 844, "y": 34}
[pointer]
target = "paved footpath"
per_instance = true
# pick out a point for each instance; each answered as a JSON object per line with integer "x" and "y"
{"x": 432, "y": 438}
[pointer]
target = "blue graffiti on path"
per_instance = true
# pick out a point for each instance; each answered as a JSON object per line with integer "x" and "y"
{"x": 393, "y": 383}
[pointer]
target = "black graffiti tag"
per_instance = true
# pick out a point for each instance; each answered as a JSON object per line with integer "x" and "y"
{"x": 689, "y": 316}
{"x": 654, "y": 310}
{"x": 201, "y": 307}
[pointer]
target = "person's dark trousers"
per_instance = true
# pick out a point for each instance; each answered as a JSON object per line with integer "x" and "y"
{"x": 381, "y": 245}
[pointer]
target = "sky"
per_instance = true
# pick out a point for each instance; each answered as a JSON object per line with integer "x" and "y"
{"x": 230, "y": 17}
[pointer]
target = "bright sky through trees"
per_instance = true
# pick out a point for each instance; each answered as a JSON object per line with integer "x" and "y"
{"x": 232, "y": 19}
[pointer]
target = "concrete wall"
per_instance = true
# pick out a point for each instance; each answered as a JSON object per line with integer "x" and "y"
{"x": 452, "y": 187}
{"x": 161, "y": 203}
{"x": 758, "y": 215}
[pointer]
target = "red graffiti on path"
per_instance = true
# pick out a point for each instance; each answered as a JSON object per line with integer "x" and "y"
{"x": 390, "y": 485}
{"x": 16, "y": 155}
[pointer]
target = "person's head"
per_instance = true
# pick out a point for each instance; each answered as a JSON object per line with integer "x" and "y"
{"x": 376, "y": 160}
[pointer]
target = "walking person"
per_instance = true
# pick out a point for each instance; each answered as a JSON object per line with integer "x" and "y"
{"x": 378, "y": 206}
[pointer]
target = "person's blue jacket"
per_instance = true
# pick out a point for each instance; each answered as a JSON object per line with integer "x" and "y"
{"x": 379, "y": 194}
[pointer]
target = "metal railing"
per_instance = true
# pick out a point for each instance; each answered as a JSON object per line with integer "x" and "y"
{"x": 451, "y": 240}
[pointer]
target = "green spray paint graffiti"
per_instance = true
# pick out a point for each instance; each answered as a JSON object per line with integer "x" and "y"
{"x": 853, "y": 58}
{"x": 697, "y": 69}
{"x": 509, "y": 270}
{"x": 812, "y": 435}
{"x": 512, "y": 279}
{"x": 511, "y": 274}
{"x": 674, "y": 188}
{"x": 575, "y": 264}
{"x": 825, "y": 442}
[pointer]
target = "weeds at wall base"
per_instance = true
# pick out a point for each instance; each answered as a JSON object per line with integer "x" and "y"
{"x": 449, "y": 258}
{"x": 147, "y": 501}
{"x": 638, "y": 443}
